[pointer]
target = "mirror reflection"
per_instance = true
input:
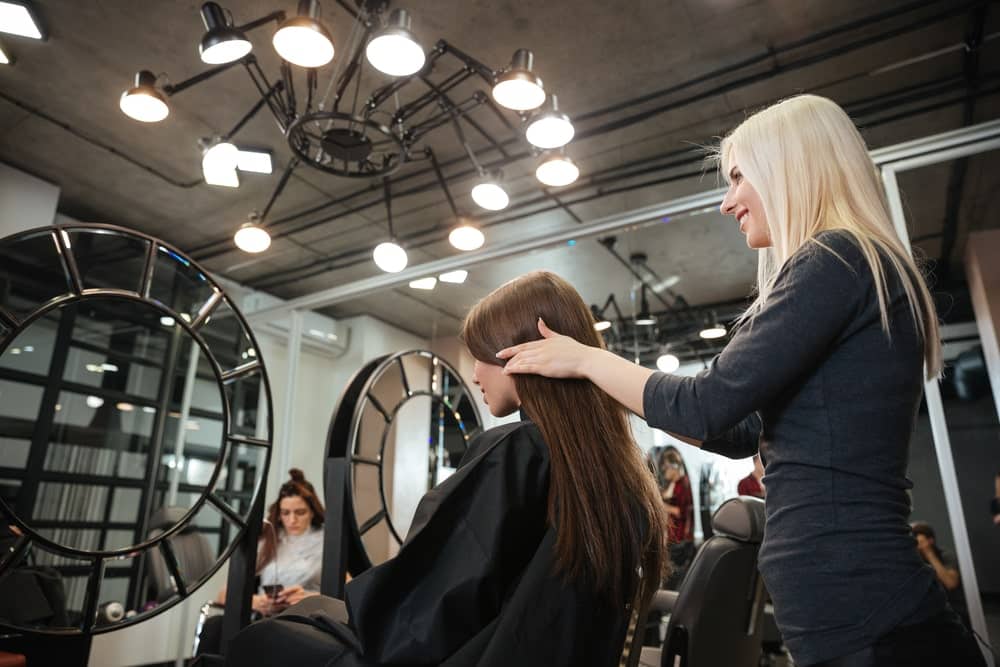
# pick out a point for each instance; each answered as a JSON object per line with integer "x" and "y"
{"x": 112, "y": 426}
{"x": 412, "y": 432}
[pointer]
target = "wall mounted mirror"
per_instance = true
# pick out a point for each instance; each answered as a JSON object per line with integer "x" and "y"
{"x": 403, "y": 424}
{"x": 135, "y": 428}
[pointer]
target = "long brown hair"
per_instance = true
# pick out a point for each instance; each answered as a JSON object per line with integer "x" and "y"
{"x": 603, "y": 501}
{"x": 296, "y": 486}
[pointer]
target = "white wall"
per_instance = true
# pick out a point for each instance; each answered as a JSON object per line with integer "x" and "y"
{"x": 25, "y": 201}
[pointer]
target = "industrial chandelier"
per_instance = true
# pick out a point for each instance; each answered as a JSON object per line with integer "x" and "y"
{"x": 347, "y": 134}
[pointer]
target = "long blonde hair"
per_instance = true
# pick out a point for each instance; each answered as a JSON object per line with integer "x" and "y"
{"x": 603, "y": 500}
{"x": 811, "y": 168}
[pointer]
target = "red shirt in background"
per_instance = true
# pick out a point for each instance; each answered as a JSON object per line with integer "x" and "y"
{"x": 681, "y": 528}
{"x": 750, "y": 486}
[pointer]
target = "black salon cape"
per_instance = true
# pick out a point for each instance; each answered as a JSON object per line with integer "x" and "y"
{"x": 473, "y": 583}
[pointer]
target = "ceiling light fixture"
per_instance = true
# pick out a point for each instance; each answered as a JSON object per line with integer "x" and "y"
{"x": 549, "y": 127}
{"x": 518, "y": 87}
{"x": 345, "y": 131}
{"x": 5, "y": 58}
{"x": 18, "y": 18}
{"x": 466, "y": 237}
{"x": 218, "y": 164}
{"x": 394, "y": 50}
{"x": 713, "y": 331}
{"x": 251, "y": 236}
{"x": 556, "y": 169}
{"x": 601, "y": 322}
{"x": 644, "y": 318}
{"x": 143, "y": 102}
{"x": 668, "y": 363}
{"x": 389, "y": 255}
{"x": 424, "y": 283}
{"x": 489, "y": 194}
{"x": 222, "y": 42}
{"x": 302, "y": 40}
{"x": 456, "y": 277}
{"x": 257, "y": 161}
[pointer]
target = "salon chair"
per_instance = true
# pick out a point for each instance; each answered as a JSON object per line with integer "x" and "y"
{"x": 194, "y": 553}
{"x": 716, "y": 615}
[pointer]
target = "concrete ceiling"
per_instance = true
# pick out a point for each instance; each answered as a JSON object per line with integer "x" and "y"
{"x": 903, "y": 76}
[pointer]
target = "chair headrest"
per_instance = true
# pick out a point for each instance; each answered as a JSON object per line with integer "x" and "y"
{"x": 741, "y": 519}
{"x": 165, "y": 517}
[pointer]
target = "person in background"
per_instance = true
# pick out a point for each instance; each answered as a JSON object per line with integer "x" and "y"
{"x": 751, "y": 485}
{"x": 292, "y": 555}
{"x": 679, "y": 501}
{"x": 289, "y": 556}
{"x": 944, "y": 567}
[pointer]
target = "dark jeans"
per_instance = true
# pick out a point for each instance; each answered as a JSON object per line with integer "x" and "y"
{"x": 942, "y": 640}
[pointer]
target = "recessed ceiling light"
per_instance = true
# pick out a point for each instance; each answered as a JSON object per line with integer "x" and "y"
{"x": 17, "y": 18}
{"x": 424, "y": 283}
{"x": 256, "y": 161}
{"x": 458, "y": 276}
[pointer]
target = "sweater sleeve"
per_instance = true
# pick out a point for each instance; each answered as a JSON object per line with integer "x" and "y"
{"x": 815, "y": 297}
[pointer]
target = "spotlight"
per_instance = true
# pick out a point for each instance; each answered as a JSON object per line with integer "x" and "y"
{"x": 644, "y": 318}
{"x": 143, "y": 102}
{"x": 167, "y": 321}
{"x": 668, "y": 363}
{"x": 390, "y": 257}
{"x": 222, "y": 43}
{"x": 602, "y": 325}
{"x": 556, "y": 169}
{"x": 424, "y": 283}
{"x": 489, "y": 194}
{"x": 714, "y": 330}
{"x": 218, "y": 164}
{"x": 519, "y": 88}
{"x": 252, "y": 237}
{"x": 257, "y": 161}
{"x": 549, "y": 128}
{"x": 94, "y": 402}
{"x": 394, "y": 50}
{"x": 5, "y": 59}
{"x": 466, "y": 236}
{"x": 457, "y": 277}
{"x": 302, "y": 40}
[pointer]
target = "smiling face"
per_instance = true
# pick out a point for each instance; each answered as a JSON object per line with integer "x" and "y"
{"x": 295, "y": 515}
{"x": 743, "y": 203}
{"x": 498, "y": 389}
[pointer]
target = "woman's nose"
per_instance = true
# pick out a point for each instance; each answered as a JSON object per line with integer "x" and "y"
{"x": 728, "y": 205}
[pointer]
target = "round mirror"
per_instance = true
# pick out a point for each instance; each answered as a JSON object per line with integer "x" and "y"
{"x": 404, "y": 423}
{"x": 134, "y": 428}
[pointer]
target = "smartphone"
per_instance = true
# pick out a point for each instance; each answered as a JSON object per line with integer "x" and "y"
{"x": 272, "y": 590}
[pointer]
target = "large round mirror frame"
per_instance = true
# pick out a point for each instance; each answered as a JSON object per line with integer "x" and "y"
{"x": 344, "y": 435}
{"x": 11, "y": 326}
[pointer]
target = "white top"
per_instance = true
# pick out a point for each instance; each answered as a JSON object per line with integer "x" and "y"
{"x": 299, "y": 561}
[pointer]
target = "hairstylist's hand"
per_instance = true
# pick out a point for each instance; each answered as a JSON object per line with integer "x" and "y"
{"x": 555, "y": 356}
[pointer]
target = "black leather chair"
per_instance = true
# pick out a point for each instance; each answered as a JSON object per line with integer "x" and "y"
{"x": 715, "y": 616}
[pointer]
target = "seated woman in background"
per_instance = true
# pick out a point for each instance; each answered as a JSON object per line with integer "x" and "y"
{"x": 289, "y": 556}
{"x": 679, "y": 501}
{"x": 532, "y": 553}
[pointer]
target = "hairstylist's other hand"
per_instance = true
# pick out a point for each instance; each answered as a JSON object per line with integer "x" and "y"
{"x": 293, "y": 595}
{"x": 555, "y": 356}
